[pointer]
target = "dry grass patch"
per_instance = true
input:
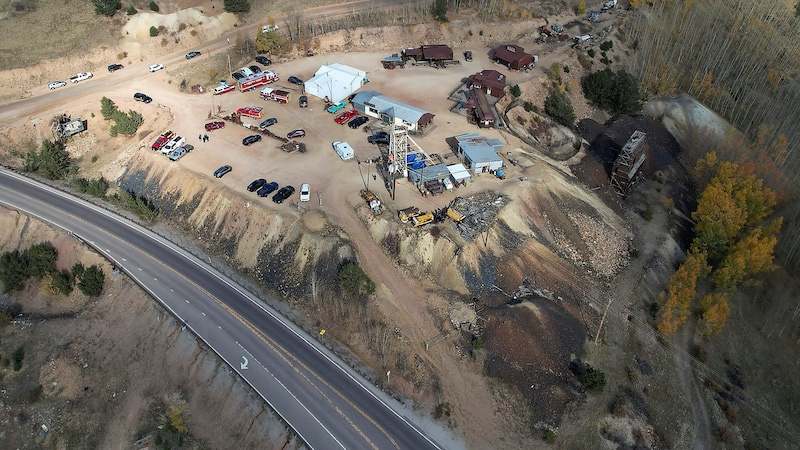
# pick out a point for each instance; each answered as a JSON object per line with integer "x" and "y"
{"x": 49, "y": 29}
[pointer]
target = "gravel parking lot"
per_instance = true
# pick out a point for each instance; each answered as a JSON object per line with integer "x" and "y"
{"x": 329, "y": 176}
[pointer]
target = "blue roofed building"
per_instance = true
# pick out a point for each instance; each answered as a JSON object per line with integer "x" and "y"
{"x": 479, "y": 153}
{"x": 392, "y": 112}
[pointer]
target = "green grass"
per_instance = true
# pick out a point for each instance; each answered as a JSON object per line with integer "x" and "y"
{"x": 48, "y": 29}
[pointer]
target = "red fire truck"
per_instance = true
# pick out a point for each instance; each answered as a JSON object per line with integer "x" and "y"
{"x": 257, "y": 79}
{"x": 251, "y": 111}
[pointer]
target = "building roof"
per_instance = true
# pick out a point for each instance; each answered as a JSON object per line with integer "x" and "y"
{"x": 336, "y": 81}
{"x": 490, "y": 78}
{"x": 459, "y": 172}
{"x": 479, "y": 149}
{"x": 436, "y": 52}
{"x": 512, "y": 54}
{"x": 428, "y": 173}
{"x": 483, "y": 109}
{"x": 394, "y": 108}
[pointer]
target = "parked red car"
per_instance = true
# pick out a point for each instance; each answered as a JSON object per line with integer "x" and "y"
{"x": 345, "y": 117}
{"x": 211, "y": 126}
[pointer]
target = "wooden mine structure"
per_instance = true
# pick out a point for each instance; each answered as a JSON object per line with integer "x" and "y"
{"x": 625, "y": 171}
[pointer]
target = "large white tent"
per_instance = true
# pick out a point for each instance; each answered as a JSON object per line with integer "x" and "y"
{"x": 335, "y": 81}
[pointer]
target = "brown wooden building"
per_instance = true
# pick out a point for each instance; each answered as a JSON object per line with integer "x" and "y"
{"x": 513, "y": 57}
{"x": 491, "y": 82}
{"x": 482, "y": 110}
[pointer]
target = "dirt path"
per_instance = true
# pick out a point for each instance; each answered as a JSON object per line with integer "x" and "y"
{"x": 703, "y": 436}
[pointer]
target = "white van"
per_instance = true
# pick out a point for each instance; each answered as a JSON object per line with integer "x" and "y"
{"x": 246, "y": 71}
{"x": 344, "y": 150}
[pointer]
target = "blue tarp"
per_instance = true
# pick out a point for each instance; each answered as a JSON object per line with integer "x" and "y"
{"x": 411, "y": 158}
{"x": 418, "y": 165}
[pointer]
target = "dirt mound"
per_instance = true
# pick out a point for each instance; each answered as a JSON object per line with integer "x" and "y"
{"x": 530, "y": 345}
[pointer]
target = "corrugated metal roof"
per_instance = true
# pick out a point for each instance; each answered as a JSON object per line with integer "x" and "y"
{"x": 393, "y": 108}
{"x": 435, "y": 172}
{"x": 459, "y": 172}
{"x": 479, "y": 149}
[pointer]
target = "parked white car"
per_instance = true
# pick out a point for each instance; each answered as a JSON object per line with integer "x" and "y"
{"x": 56, "y": 84}
{"x": 155, "y": 67}
{"x": 174, "y": 143}
{"x": 305, "y": 192}
{"x": 80, "y": 77}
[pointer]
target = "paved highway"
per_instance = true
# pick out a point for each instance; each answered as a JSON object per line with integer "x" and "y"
{"x": 322, "y": 400}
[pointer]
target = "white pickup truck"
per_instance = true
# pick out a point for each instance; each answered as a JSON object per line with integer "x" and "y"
{"x": 80, "y": 77}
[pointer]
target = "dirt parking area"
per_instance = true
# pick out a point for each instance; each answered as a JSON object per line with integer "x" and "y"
{"x": 330, "y": 177}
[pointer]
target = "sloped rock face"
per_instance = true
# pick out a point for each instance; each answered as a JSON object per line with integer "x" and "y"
{"x": 555, "y": 141}
{"x": 278, "y": 250}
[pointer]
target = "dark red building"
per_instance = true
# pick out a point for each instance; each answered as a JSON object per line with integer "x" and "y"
{"x": 513, "y": 57}
{"x": 491, "y": 82}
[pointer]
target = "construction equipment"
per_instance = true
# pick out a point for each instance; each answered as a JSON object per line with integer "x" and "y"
{"x": 406, "y": 214}
{"x": 371, "y": 200}
{"x": 456, "y": 215}
{"x": 422, "y": 219}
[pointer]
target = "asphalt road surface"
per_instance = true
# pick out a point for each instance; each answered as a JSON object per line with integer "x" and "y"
{"x": 322, "y": 400}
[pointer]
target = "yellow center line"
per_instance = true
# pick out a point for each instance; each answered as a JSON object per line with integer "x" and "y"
{"x": 271, "y": 343}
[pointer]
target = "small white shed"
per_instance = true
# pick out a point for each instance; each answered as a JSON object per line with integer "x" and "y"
{"x": 459, "y": 173}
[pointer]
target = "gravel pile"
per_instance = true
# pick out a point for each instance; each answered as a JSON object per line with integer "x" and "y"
{"x": 608, "y": 250}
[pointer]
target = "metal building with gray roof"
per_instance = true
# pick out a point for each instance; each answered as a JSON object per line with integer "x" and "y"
{"x": 392, "y": 112}
{"x": 479, "y": 153}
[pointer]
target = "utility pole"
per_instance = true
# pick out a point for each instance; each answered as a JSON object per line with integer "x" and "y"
{"x": 600, "y": 328}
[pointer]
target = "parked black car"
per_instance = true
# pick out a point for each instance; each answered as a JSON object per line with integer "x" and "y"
{"x": 296, "y": 134}
{"x": 268, "y": 123}
{"x": 294, "y": 80}
{"x": 255, "y": 69}
{"x": 251, "y": 139}
{"x": 256, "y": 185}
{"x": 267, "y": 189}
{"x": 191, "y": 55}
{"x": 357, "y": 122}
{"x": 261, "y": 59}
{"x": 303, "y": 101}
{"x": 237, "y": 75}
{"x": 144, "y": 98}
{"x": 284, "y": 193}
{"x": 115, "y": 67}
{"x": 379, "y": 138}
{"x": 219, "y": 173}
